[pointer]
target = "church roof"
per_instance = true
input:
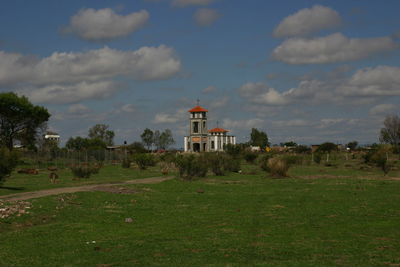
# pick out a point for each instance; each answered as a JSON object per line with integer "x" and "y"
{"x": 218, "y": 130}
{"x": 198, "y": 109}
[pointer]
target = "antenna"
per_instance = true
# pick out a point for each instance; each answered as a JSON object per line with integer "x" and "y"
{"x": 217, "y": 123}
{"x": 198, "y": 101}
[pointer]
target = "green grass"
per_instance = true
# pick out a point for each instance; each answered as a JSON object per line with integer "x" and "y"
{"x": 239, "y": 220}
{"x": 109, "y": 173}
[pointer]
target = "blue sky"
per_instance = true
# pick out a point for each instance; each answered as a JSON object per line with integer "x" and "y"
{"x": 307, "y": 71}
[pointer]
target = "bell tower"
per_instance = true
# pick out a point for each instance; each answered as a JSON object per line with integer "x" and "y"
{"x": 197, "y": 140}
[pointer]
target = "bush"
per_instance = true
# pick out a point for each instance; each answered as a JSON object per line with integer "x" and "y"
{"x": 167, "y": 157}
{"x": 317, "y": 158}
{"x": 126, "y": 163}
{"x": 233, "y": 150}
{"x": 250, "y": 157}
{"x": 216, "y": 162}
{"x": 85, "y": 170}
{"x": 190, "y": 166}
{"x": 293, "y": 159}
{"x": 379, "y": 158}
{"x": 263, "y": 161}
{"x": 144, "y": 160}
{"x": 278, "y": 167}
{"x": 8, "y": 161}
{"x": 232, "y": 165}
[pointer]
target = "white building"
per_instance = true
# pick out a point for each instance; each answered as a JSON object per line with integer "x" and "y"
{"x": 202, "y": 140}
{"x": 51, "y": 136}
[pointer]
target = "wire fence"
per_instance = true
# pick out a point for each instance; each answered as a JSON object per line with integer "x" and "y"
{"x": 65, "y": 158}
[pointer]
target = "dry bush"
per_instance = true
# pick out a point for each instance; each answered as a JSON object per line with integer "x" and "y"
{"x": 278, "y": 167}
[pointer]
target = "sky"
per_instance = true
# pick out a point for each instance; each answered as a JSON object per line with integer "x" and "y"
{"x": 303, "y": 70}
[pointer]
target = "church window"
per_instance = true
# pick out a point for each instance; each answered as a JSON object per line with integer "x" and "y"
{"x": 196, "y": 127}
{"x": 212, "y": 145}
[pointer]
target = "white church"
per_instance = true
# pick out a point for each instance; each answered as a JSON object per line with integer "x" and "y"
{"x": 202, "y": 140}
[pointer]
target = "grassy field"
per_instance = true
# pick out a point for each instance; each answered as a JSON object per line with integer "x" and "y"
{"x": 321, "y": 216}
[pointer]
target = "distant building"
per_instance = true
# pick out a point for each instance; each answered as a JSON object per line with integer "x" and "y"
{"x": 52, "y": 136}
{"x": 202, "y": 140}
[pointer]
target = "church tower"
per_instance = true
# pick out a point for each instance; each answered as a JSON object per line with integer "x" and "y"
{"x": 197, "y": 140}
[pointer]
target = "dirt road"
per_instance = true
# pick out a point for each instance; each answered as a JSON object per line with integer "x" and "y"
{"x": 92, "y": 187}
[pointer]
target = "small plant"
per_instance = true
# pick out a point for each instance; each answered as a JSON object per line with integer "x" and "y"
{"x": 250, "y": 157}
{"x": 293, "y": 159}
{"x": 144, "y": 160}
{"x": 317, "y": 157}
{"x": 85, "y": 170}
{"x": 278, "y": 167}
{"x": 232, "y": 165}
{"x": 165, "y": 167}
{"x": 8, "y": 161}
{"x": 216, "y": 162}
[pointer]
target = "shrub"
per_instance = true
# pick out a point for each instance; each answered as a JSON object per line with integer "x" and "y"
{"x": 278, "y": 167}
{"x": 233, "y": 150}
{"x": 250, "y": 157}
{"x": 144, "y": 160}
{"x": 232, "y": 165}
{"x": 8, "y": 161}
{"x": 167, "y": 157}
{"x": 216, "y": 162}
{"x": 126, "y": 163}
{"x": 317, "y": 158}
{"x": 263, "y": 161}
{"x": 302, "y": 149}
{"x": 379, "y": 158}
{"x": 190, "y": 166}
{"x": 85, "y": 170}
{"x": 293, "y": 159}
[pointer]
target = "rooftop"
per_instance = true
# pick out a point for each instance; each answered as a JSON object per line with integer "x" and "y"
{"x": 198, "y": 109}
{"x": 218, "y": 130}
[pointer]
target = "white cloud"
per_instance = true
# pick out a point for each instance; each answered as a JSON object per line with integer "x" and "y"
{"x": 242, "y": 124}
{"x": 307, "y": 21}
{"x": 332, "y": 48}
{"x": 129, "y": 108}
{"x": 219, "y": 103}
{"x": 205, "y": 16}
{"x": 179, "y": 115}
{"x": 104, "y": 24}
{"x": 382, "y": 109}
{"x": 209, "y": 89}
{"x": 260, "y": 93}
{"x": 78, "y": 109}
{"x": 184, "y": 3}
{"x": 72, "y": 93}
{"x": 146, "y": 63}
{"x": 378, "y": 81}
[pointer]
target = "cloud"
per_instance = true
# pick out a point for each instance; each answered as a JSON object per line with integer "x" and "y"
{"x": 146, "y": 63}
{"x": 179, "y": 115}
{"x": 72, "y": 93}
{"x": 382, "y": 109}
{"x": 219, "y": 103}
{"x": 78, "y": 109}
{"x": 307, "y": 21}
{"x": 209, "y": 89}
{"x": 71, "y": 77}
{"x": 329, "y": 49}
{"x": 260, "y": 93}
{"x": 129, "y": 108}
{"x": 377, "y": 81}
{"x": 205, "y": 16}
{"x": 184, "y": 3}
{"x": 242, "y": 124}
{"x": 104, "y": 24}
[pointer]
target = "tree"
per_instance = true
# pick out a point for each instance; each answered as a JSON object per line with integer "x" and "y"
{"x": 156, "y": 139}
{"x": 78, "y": 143}
{"x": 289, "y": 144}
{"x": 8, "y": 161}
{"x": 390, "y": 134}
{"x": 101, "y": 132}
{"x": 19, "y": 120}
{"x": 327, "y": 147}
{"x": 258, "y": 138}
{"x": 352, "y": 145}
{"x": 147, "y": 138}
{"x": 166, "y": 139}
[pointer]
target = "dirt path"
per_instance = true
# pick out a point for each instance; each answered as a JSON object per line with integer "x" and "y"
{"x": 92, "y": 187}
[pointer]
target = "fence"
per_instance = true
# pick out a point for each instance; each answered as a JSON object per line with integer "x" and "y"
{"x": 66, "y": 158}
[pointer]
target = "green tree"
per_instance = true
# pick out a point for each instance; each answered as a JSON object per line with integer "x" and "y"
{"x": 147, "y": 138}
{"x": 258, "y": 138}
{"x": 101, "y": 132}
{"x": 79, "y": 143}
{"x": 352, "y": 145}
{"x": 327, "y": 147}
{"x": 166, "y": 139}
{"x": 390, "y": 133}
{"x": 19, "y": 120}
{"x": 8, "y": 161}
{"x": 289, "y": 144}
